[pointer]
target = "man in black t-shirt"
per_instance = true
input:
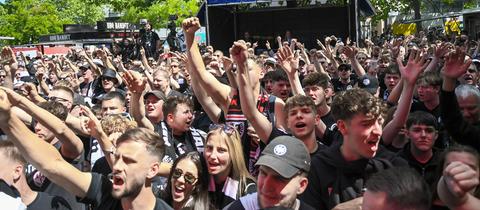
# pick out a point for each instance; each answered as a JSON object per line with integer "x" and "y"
{"x": 136, "y": 158}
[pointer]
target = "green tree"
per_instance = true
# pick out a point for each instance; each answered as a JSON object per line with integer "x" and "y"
{"x": 26, "y": 20}
{"x": 78, "y": 11}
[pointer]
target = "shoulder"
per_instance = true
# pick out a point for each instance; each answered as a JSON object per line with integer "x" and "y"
{"x": 161, "y": 205}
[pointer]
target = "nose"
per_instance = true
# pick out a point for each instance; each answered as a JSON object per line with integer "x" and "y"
{"x": 377, "y": 129}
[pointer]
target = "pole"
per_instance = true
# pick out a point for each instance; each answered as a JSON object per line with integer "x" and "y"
{"x": 207, "y": 26}
{"x": 357, "y": 27}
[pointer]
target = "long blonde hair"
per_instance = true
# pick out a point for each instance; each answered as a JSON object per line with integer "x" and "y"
{"x": 238, "y": 170}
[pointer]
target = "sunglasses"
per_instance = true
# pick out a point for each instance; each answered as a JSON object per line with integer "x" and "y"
{"x": 57, "y": 99}
{"x": 189, "y": 178}
{"x": 472, "y": 71}
{"x": 228, "y": 129}
{"x": 343, "y": 69}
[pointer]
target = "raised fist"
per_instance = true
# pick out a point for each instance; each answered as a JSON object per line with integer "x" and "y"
{"x": 238, "y": 51}
{"x": 190, "y": 25}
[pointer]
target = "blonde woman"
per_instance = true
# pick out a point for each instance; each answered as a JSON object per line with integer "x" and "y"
{"x": 228, "y": 174}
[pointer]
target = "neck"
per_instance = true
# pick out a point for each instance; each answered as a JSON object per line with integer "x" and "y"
{"x": 323, "y": 109}
{"x": 27, "y": 195}
{"x": 431, "y": 104}
{"x": 110, "y": 89}
{"x": 421, "y": 156}
{"x": 345, "y": 80}
{"x": 347, "y": 154}
{"x": 311, "y": 143}
{"x": 143, "y": 200}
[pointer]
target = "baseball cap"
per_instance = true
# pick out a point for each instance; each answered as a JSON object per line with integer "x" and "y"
{"x": 159, "y": 94}
{"x": 369, "y": 83}
{"x": 286, "y": 155}
{"x": 271, "y": 61}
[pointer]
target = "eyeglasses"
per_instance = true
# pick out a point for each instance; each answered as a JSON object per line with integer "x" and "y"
{"x": 189, "y": 178}
{"x": 228, "y": 129}
{"x": 472, "y": 71}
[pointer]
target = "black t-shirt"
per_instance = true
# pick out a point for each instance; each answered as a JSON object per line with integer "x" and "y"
{"x": 44, "y": 201}
{"x": 328, "y": 120}
{"x": 99, "y": 194}
{"x": 340, "y": 86}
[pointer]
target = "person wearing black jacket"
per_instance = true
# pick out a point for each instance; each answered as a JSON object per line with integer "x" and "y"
{"x": 460, "y": 114}
{"x": 339, "y": 172}
{"x": 420, "y": 153}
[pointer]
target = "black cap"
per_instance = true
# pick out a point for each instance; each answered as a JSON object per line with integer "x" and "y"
{"x": 286, "y": 155}
{"x": 109, "y": 73}
{"x": 369, "y": 83}
{"x": 159, "y": 94}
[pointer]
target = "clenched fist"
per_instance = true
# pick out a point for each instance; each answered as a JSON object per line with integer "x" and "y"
{"x": 190, "y": 25}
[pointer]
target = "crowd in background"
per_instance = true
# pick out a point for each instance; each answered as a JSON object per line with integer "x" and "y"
{"x": 394, "y": 124}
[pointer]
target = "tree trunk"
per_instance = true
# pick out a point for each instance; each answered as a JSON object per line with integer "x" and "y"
{"x": 416, "y": 10}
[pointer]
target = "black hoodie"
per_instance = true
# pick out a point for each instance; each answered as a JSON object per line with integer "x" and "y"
{"x": 333, "y": 180}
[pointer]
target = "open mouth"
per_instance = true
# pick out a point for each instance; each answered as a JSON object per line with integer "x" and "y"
{"x": 373, "y": 144}
{"x": 300, "y": 125}
{"x": 118, "y": 181}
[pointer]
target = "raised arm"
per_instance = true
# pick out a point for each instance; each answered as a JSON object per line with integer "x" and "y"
{"x": 219, "y": 92}
{"x": 72, "y": 146}
{"x": 136, "y": 84}
{"x": 455, "y": 185}
{"x": 93, "y": 126}
{"x": 351, "y": 53}
{"x": 259, "y": 122}
{"x": 416, "y": 65}
{"x": 289, "y": 64}
{"x": 438, "y": 54}
{"x": 41, "y": 154}
{"x": 208, "y": 105}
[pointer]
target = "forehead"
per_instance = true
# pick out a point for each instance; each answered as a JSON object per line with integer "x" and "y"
{"x": 300, "y": 108}
{"x": 463, "y": 157}
{"x": 187, "y": 165}
{"x": 392, "y": 75}
{"x": 60, "y": 93}
{"x": 131, "y": 148}
{"x": 216, "y": 139}
{"x": 111, "y": 102}
{"x": 422, "y": 126}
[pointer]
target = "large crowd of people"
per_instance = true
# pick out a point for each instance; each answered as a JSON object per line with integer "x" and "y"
{"x": 394, "y": 124}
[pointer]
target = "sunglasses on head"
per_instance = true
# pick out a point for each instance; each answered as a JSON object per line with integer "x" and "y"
{"x": 228, "y": 129}
{"x": 189, "y": 178}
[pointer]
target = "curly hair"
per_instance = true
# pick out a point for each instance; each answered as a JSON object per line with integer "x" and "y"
{"x": 299, "y": 101}
{"x": 117, "y": 124}
{"x": 355, "y": 101}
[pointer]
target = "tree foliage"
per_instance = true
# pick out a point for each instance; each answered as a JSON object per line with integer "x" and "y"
{"x": 27, "y": 20}
{"x": 159, "y": 11}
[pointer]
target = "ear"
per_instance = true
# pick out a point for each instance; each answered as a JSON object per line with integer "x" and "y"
{"x": 317, "y": 119}
{"x": 17, "y": 173}
{"x": 169, "y": 117}
{"x": 303, "y": 185}
{"x": 342, "y": 127}
{"x": 153, "y": 170}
